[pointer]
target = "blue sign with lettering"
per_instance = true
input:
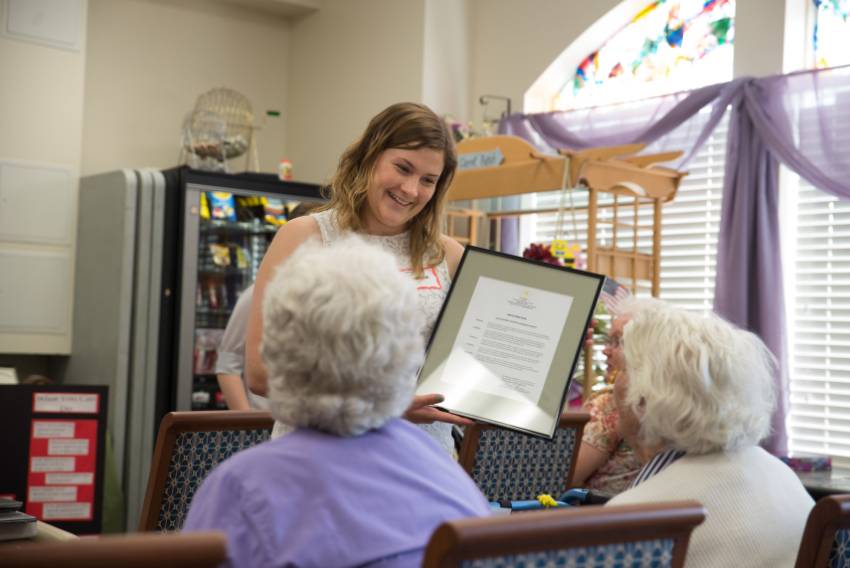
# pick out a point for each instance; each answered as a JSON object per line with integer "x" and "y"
{"x": 474, "y": 160}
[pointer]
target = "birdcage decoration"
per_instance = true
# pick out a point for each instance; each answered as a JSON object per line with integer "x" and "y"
{"x": 219, "y": 129}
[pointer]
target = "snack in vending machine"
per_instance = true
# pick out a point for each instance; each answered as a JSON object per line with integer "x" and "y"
{"x": 222, "y": 206}
{"x": 206, "y": 350}
{"x": 275, "y": 211}
{"x": 249, "y": 207}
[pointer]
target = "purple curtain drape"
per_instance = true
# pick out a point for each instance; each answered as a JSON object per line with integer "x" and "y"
{"x": 748, "y": 288}
{"x": 794, "y": 119}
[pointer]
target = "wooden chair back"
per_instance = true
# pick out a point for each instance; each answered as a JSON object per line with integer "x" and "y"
{"x": 189, "y": 445}
{"x": 627, "y": 535}
{"x": 190, "y": 550}
{"x": 510, "y": 465}
{"x": 826, "y": 538}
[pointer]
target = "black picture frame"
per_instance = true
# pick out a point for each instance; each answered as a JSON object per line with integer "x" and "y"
{"x": 581, "y": 286}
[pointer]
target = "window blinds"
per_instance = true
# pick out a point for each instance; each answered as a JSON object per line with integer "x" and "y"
{"x": 819, "y": 330}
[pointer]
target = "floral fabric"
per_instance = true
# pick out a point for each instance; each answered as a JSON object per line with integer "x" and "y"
{"x": 601, "y": 433}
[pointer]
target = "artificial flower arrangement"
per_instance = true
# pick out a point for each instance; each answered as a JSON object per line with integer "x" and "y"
{"x": 541, "y": 253}
{"x": 558, "y": 253}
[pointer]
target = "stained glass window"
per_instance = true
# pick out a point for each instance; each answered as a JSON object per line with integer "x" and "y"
{"x": 831, "y": 37}
{"x": 668, "y": 46}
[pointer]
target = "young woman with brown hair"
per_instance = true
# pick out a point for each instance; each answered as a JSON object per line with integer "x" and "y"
{"x": 390, "y": 188}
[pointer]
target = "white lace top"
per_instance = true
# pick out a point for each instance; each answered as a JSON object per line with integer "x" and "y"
{"x": 432, "y": 290}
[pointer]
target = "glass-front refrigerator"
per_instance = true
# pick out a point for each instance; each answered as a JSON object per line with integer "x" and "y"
{"x": 161, "y": 258}
{"x": 227, "y": 226}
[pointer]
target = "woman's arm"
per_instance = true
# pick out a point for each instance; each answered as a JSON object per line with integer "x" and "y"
{"x": 287, "y": 239}
{"x": 589, "y": 460}
{"x": 233, "y": 390}
{"x": 420, "y": 411}
{"x": 454, "y": 252}
{"x": 600, "y": 438}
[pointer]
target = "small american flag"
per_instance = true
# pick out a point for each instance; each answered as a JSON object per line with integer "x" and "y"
{"x": 612, "y": 294}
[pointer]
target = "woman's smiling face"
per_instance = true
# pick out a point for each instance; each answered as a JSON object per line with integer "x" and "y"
{"x": 403, "y": 183}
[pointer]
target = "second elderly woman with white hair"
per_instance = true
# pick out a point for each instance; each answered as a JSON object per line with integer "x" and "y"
{"x": 695, "y": 398}
{"x": 354, "y": 484}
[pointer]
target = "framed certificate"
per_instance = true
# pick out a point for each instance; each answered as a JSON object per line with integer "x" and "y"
{"x": 507, "y": 340}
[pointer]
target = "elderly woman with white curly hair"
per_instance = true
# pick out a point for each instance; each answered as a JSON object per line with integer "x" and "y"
{"x": 354, "y": 484}
{"x": 695, "y": 397}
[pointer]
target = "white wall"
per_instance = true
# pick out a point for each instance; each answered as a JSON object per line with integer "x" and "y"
{"x": 759, "y": 36}
{"x": 41, "y": 102}
{"x": 445, "y": 58}
{"x": 41, "y": 117}
{"x": 348, "y": 61}
{"x": 331, "y": 70}
{"x": 514, "y": 41}
{"x": 149, "y": 60}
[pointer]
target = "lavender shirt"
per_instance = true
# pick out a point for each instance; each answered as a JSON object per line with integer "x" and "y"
{"x": 314, "y": 499}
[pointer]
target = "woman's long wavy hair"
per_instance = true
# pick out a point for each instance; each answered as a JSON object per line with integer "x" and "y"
{"x": 408, "y": 126}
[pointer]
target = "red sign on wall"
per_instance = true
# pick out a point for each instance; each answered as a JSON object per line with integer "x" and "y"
{"x": 53, "y": 443}
{"x": 62, "y": 466}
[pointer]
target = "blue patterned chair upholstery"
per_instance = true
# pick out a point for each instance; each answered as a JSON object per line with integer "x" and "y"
{"x": 510, "y": 465}
{"x": 188, "y": 447}
{"x": 626, "y": 536}
{"x": 839, "y": 552}
{"x": 826, "y": 539}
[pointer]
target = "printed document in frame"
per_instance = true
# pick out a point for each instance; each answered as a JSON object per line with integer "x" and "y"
{"x": 507, "y": 340}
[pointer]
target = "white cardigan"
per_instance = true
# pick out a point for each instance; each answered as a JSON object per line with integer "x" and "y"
{"x": 756, "y": 507}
